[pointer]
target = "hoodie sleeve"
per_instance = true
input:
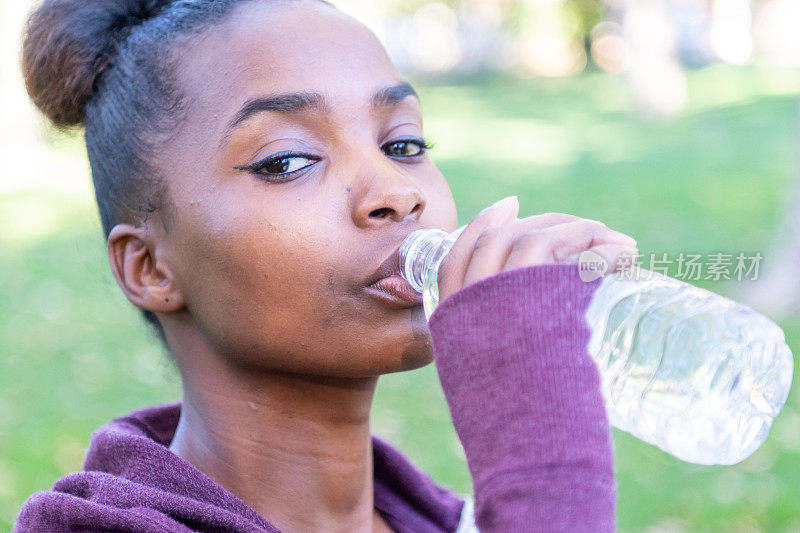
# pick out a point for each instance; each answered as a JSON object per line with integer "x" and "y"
{"x": 524, "y": 395}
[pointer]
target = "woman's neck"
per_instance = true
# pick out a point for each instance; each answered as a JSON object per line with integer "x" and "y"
{"x": 296, "y": 448}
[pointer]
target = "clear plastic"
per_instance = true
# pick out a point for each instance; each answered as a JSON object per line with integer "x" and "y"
{"x": 696, "y": 374}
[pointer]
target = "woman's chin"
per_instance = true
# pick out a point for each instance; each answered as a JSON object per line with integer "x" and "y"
{"x": 417, "y": 354}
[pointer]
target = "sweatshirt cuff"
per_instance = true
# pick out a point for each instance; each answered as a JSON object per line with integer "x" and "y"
{"x": 524, "y": 394}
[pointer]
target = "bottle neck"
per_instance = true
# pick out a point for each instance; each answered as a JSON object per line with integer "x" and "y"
{"x": 421, "y": 253}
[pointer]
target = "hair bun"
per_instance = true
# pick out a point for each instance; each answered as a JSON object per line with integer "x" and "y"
{"x": 68, "y": 43}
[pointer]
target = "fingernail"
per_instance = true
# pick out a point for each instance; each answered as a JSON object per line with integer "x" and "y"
{"x": 626, "y": 238}
{"x": 508, "y": 200}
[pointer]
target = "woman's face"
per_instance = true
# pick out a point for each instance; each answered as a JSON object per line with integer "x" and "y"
{"x": 273, "y": 267}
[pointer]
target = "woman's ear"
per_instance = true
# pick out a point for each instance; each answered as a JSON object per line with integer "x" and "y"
{"x": 140, "y": 272}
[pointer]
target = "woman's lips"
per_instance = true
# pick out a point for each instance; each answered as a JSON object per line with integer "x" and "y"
{"x": 394, "y": 289}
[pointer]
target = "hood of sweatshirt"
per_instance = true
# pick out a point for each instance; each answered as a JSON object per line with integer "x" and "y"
{"x": 131, "y": 481}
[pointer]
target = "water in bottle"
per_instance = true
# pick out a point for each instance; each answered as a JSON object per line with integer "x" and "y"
{"x": 696, "y": 374}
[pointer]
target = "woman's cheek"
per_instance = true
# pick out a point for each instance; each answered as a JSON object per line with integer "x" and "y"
{"x": 271, "y": 309}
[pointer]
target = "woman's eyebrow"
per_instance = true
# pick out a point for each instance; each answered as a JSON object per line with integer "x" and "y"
{"x": 392, "y": 95}
{"x": 298, "y": 102}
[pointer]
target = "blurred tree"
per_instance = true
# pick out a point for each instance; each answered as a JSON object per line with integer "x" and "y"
{"x": 409, "y": 7}
{"x": 588, "y": 12}
{"x": 21, "y": 146}
{"x": 776, "y": 292}
{"x": 656, "y": 76}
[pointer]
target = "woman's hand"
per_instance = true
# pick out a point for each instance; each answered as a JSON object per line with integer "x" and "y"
{"x": 494, "y": 242}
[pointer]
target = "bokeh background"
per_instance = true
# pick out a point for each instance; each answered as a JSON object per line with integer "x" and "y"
{"x": 675, "y": 121}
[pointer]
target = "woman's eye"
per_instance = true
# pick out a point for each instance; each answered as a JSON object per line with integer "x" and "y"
{"x": 285, "y": 165}
{"x": 404, "y": 148}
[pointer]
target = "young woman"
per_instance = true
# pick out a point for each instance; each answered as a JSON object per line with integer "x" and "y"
{"x": 257, "y": 164}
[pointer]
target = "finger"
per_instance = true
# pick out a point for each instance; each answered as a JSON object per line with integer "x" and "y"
{"x": 557, "y": 243}
{"x": 495, "y": 243}
{"x": 489, "y": 254}
{"x": 582, "y": 234}
{"x": 545, "y": 220}
{"x": 618, "y": 257}
{"x": 454, "y": 265}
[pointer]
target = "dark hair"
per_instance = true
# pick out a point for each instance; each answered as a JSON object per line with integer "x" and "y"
{"x": 105, "y": 65}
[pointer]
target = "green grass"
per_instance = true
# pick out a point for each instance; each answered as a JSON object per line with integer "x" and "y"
{"x": 75, "y": 354}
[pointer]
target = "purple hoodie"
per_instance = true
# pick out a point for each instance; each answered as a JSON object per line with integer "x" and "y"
{"x": 525, "y": 400}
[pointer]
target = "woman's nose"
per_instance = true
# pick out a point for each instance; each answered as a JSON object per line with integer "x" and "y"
{"x": 386, "y": 195}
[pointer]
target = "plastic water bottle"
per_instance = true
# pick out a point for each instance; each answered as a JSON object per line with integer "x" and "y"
{"x": 696, "y": 374}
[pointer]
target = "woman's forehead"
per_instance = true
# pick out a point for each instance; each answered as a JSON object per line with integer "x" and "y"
{"x": 303, "y": 46}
